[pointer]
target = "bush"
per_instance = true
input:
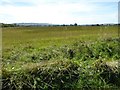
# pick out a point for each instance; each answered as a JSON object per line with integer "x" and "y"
{"x": 51, "y": 75}
{"x": 109, "y": 71}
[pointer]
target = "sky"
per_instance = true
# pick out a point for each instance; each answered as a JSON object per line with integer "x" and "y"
{"x": 59, "y": 11}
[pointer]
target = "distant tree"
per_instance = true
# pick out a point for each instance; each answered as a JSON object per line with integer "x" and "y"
{"x": 71, "y": 24}
{"x": 97, "y": 25}
{"x": 75, "y": 24}
{"x": 8, "y": 25}
{"x": 63, "y": 25}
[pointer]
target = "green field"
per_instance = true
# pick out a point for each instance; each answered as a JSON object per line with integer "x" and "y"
{"x": 46, "y": 36}
{"x": 58, "y": 57}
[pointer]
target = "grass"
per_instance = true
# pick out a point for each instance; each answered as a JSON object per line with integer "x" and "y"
{"x": 46, "y": 36}
{"x": 83, "y": 57}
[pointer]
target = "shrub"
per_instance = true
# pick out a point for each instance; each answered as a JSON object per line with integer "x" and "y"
{"x": 51, "y": 75}
{"x": 109, "y": 71}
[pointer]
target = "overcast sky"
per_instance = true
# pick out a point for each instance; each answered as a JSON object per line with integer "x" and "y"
{"x": 59, "y": 11}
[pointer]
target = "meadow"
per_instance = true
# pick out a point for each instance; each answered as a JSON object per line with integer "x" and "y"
{"x": 57, "y": 57}
{"x": 46, "y": 36}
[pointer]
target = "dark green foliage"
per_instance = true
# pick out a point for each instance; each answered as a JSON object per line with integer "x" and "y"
{"x": 110, "y": 73}
{"x": 52, "y": 75}
{"x": 75, "y": 24}
{"x": 8, "y": 25}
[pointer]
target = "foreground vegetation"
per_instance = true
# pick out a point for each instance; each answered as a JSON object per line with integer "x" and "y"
{"x": 80, "y": 62}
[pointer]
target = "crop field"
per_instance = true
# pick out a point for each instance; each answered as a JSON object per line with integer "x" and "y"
{"x": 60, "y": 57}
{"x": 46, "y": 36}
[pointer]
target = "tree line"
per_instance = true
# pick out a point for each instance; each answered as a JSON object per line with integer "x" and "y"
{"x": 16, "y": 25}
{"x": 8, "y": 25}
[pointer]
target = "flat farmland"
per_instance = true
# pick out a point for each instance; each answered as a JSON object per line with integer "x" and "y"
{"x": 46, "y": 36}
{"x": 60, "y": 57}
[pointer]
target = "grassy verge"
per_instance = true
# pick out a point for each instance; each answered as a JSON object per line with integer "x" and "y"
{"x": 81, "y": 64}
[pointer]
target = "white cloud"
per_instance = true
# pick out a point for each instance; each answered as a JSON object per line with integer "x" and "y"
{"x": 50, "y": 11}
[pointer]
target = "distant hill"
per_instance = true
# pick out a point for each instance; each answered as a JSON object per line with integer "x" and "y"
{"x": 33, "y": 24}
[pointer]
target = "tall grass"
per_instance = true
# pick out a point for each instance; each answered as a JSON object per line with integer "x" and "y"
{"x": 79, "y": 65}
